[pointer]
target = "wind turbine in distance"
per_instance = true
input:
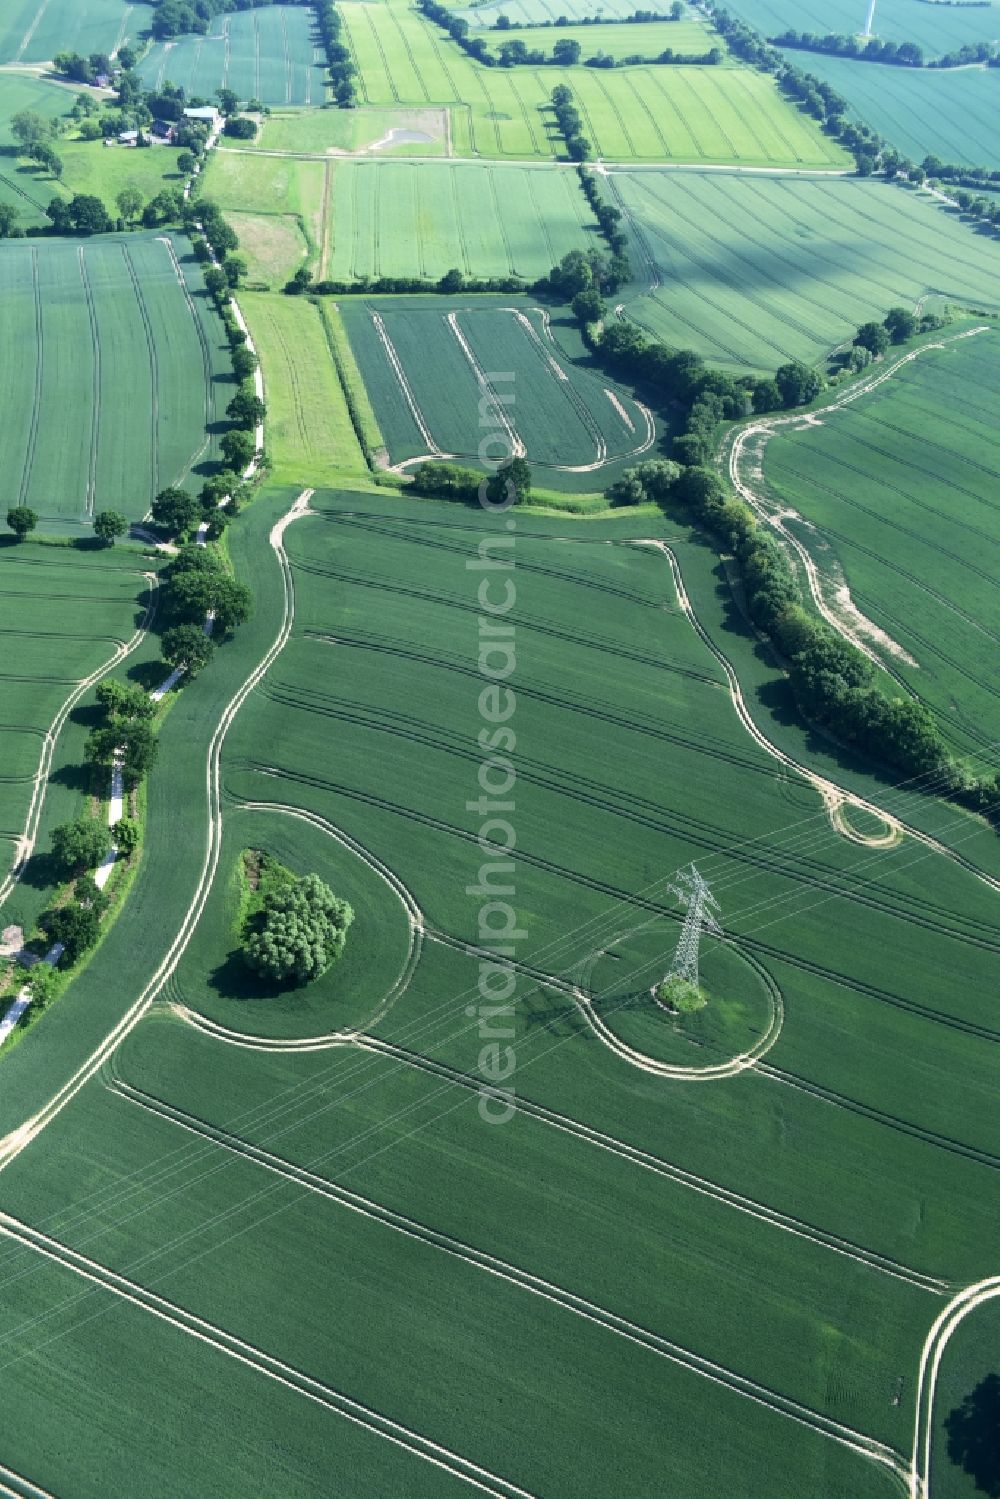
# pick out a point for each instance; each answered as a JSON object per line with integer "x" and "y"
{"x": 871, "y": 16}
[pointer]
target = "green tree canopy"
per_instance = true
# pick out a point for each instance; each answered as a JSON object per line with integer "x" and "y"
{"x": 188, "y": 647}
{"x": 109, "y": 525}
{"x": 300, "y": 931}
{"x": 21, "y": 521}
{"x": 81, "y": 844}
{"x": 176, "y": 511}
{"x": 872, "y": 336}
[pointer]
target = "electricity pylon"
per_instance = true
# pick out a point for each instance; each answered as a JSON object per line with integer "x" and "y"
{"x": 692, "y": 892}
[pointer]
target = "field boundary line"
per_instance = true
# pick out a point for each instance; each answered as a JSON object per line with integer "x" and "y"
{"x": 300, "y": 1383}
{"x": 325, "y": 243}
{"x": 17, "y": 1140}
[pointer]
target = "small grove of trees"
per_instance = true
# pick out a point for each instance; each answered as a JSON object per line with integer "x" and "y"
{"x": 84, "y": 214}
{"x": 509, "y": 484}
{"x": 197, "y": 584}
{"x": 646, "y": 483}
{"x": 240, "y": 129}
{"x": 77, "y": 923}
{"x": 299, "y": 929}
{"x": 125, "y": 734}
{"x": 22, "y": 521}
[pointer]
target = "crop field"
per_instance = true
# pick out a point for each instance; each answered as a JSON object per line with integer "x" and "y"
{"x": 63, "y": 616}
{"x": 687, "y": 114}
{"x": 425, "y": 368}
{"x": 269, "y": 54}
{"x": 646, "y": 39}
{"x": 333, "y": 131}
{"x": 309, "y": 432}
{"x": 114, "y": 391}
{"x": 950, "y": 114}
{"x": 35, "y": 30}
{"x": 276, "y": 205}
{"x": 753, "y": 271}
{"x": 422, "y": 218}
{"x": 523, "y": 11}
{"x": 901, "y": 486}
{"x": 331, "y": 1150}
{"x": 935, "y": 27}
{"x": 25, "y": 91}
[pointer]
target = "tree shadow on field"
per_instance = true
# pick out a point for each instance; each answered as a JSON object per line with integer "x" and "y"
{"x": 148, "y": 674}
{"x": 41, "y": 872}
{"x": 79, "y": 778}
{"x": 88, "y": 715}
{"x": 974, "y": 1435}
{"x": 232, "y": 979}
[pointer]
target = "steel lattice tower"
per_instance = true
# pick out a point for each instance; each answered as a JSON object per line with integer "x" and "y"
{"x": 692, "y": 892}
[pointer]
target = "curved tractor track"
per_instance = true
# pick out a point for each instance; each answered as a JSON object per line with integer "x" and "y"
{"x": 760, "y": 433}
{"x": 12, "y": 1144}
{"x": 26, "y": 840}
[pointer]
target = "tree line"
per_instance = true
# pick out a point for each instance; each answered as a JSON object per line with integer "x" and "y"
{"x": 175, "y": 17}
{"x": 338, "y": 55}
{"x": 637, "y": 18}
{"x": 566, "y": 52}
{"x": 874, "y": 49}
{"x": 871, "y": 151}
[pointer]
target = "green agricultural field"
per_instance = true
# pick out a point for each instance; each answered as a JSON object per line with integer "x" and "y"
{"x": 64, "y": 616}
{"x": 753, "y": 271}
{"x": 26, "y": 192}
{"x": 391, "y": 132}
{"x": 410, "y": 218}
{"x": 20, "y": 91}
{"x": 251, "y": 1159}
{"x": 424, "y": 366}
{"x": 277, "y": 208}
{"x": 950, "y": 114}
{"x": 309, "y": 434}
{"x": 643, "y": 40}
{"x": 35, "y": 30}
{"x": 901, "y": 485}
{"x": 117, "y": 383}
{"x": 934, "y": 26}
{"x": 636, "y": 114}
{"x": 92, "y": 167}
{"x": 522, "y": 11}
{"x": 269, "y": 54}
